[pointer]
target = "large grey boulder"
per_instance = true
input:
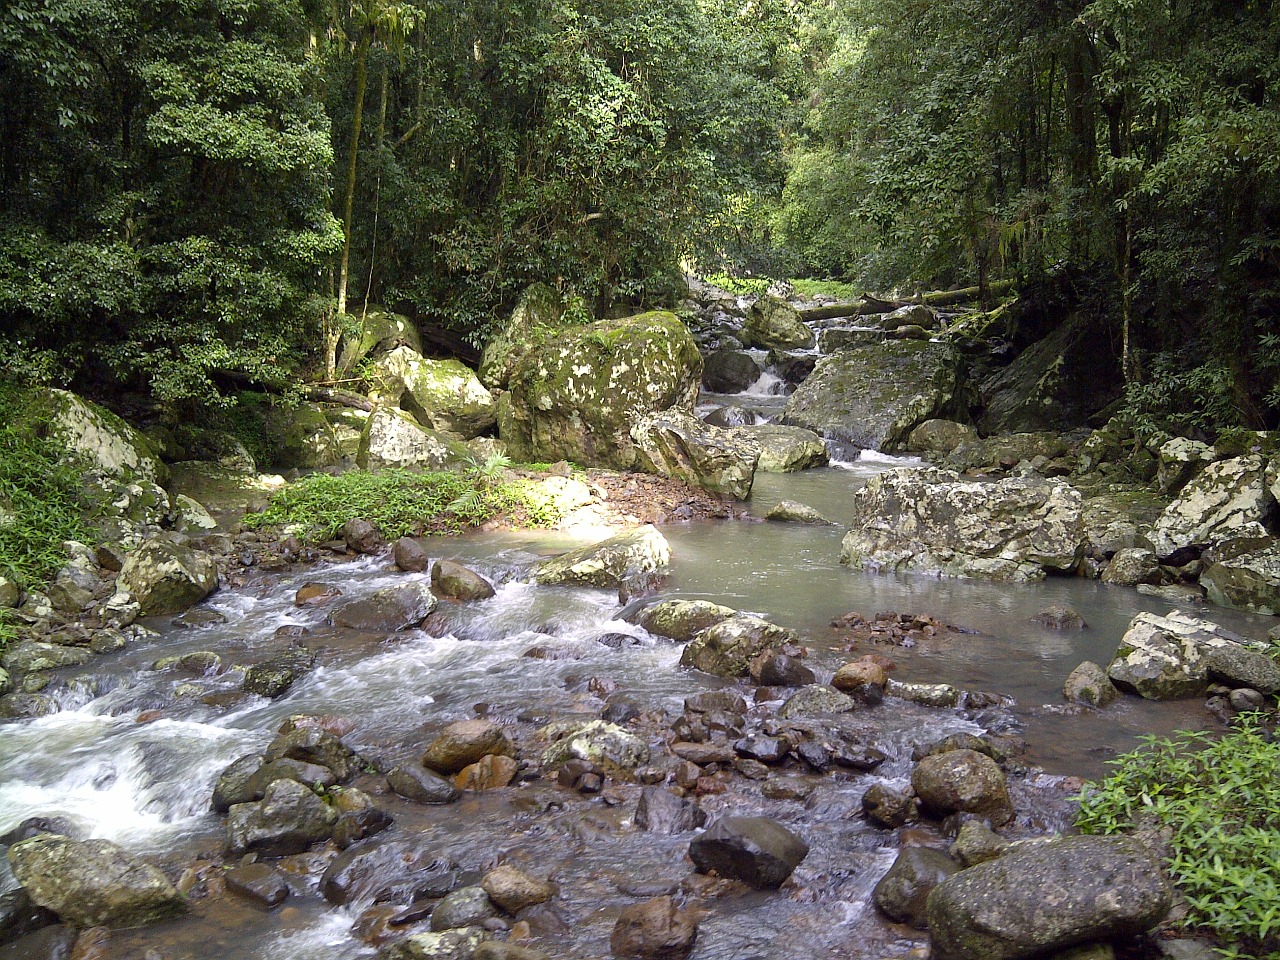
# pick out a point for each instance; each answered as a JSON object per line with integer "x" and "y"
{"x": 106, "y": 442}
{"x": 442, "y": 395}
{"x": 535, "y": 317}
{"x": 1047, "y": 897}
{"x": 903, "y": 892}
{"x": 730, "y": 371}
{"x": 1246, "y": 581}
{"x": 393, "y": 439}
{"x": 1229, "y": 500}
{"x": 444, "y": 945}
{"x": 727, "y": 648}
{"x": 682, "y": 620}
{"x": 389, "y": 610}
{"x": 92, "y": 883}
{"x": 288, "y": 820}
{"x": 675, "y": 443}
{"x": 609, "y": 563}
{"x": 873, "y": 396}
{"x": 786, "y": 449}
{"x": 931, "y": 522}
{"x": 756, "y": 850}
{"x": 167, "y": 577}
{"x": 772, "y": 323}
{"x": 576, "y": 397}
{"x": 1164, "y": 658}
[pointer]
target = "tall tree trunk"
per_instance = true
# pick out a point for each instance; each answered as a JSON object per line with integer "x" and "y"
{"x": 349, "y": 199}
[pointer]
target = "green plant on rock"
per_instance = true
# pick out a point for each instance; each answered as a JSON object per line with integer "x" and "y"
{"x": 1218, "y": 800}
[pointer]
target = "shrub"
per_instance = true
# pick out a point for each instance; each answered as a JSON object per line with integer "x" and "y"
{"x": 1219, "y": 799}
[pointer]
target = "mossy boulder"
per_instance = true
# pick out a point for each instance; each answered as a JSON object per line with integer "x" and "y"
{"x": 392, "y": 439}
{"x": 786, "y": 449}
{"x": 675, "y": 443}
{"x": 727, "y": 648}
{"x": 442, "y": 395}
{"x": 376, "y": 329}
{"x": 536, "y": 316}
{"x": 873, "y": 396}
{"x": 609, "y": 563}
{"x": 1246, "y": 581}
{"x": 110, "y": 445}
{"x": 167, "y": 577}
{"x": 682, "y": 620}
{"x": 575, "y": 397}
{"x": 772, "y": 323}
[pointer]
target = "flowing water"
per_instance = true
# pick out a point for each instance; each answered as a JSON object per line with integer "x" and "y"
{"x": 134, "y": 753}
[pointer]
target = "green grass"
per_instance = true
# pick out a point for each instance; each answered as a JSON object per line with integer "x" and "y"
{"x": 756, "y": 286}
{"x": 1220, "y": 801}
{"x": 826, "y": 288}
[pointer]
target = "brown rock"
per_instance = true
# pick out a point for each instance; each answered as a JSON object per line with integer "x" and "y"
{"x": 654, "y": 930}
{"x": 362, "y": 536}
{"x": 456, "y": 582}
{"x": 962, "y": 781}
{"x": 860, "y": 673}
{"x": 513, "y": 889}
{"x": 464, "y": 743}
{"x": 315, "y": 594}
{"x": 410, "y": 556}
{"x": 487, "y": 773}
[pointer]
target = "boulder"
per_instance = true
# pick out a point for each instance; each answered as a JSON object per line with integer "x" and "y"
{"x": 772, "y": 323}
{"x": 1047, "y": 897}
{"x": 305, "y": 438}
{"x": 106, "y": 442}
{"x": 1089, "y": 683}
{"x": 1181, "y": 461}
{"x": 167, "y": 577}
{"x": 576, "y": 398}
{"x": 445, "y": 945}
{"x": 488, "y": 773}
{"x": 609, "y": 563}
{"x": 872, "y": 397}
{"x": 288, "y": 820}
{"x": 755, "y": 850}
{"x": 606, "y": 745}
{"x": 92, "y": 883}
{"x": 464, "y": 907}
{"x": 962, "y": 781}
{"x": 397, "y": 871}
{"x": 786, "y": 449}
{"x": 512, "y": 889}
{"x": 536, "y": 316}
{"x": 939, "y": 437}
{"x": 362, "y": 536}
{"x": 1131, "y": 566}
{"x": 465, "y": 742}
{"x": 977, "y": 843}
{"x": 410, "y": 556}
{"x": 1164, "y": 658}
{"x": 1006, "y": 451}
{"x": 311, "y": 744}
{"x": 33, "y": 656}
{"x": 681, "y": 620}
{"x": 781, "y": 670}
{"x": 888, "y": 808}
{"x": 392, "y": 439}
{"x": 789, "y": 511}
{"x": 1246, "y": 581}
{"x": 727, "y": 648}
{"x": 661, "y": 811}
{"x": 730, "y": 371}
{"x": 421, "y": 785}
{"x": 816, "y": 700}
{"x": 376, "y": 328}
{"x": 259, "y": 882}
{"x": 441, "y": 395}
{"x": 675, "y": 443}
{"x": 930, "y": 522}
{"x": 456, "y": 582}
{"x": 903, "y": 892}
{"x": 1239, "y": 666}
{"x": 1229, "y": 500}
{"x": 389, "y": 610}
{"x": 654, "y": 930}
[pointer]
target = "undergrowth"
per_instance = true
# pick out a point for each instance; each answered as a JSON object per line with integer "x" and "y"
{"x": 757, "y": 286}
{"x": 1220, "y": 799}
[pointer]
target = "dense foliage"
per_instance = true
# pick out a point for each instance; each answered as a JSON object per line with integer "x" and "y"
{"x": 1217, "y": 798}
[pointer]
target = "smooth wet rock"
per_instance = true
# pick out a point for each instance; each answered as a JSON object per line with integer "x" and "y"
{"x": 902, "y": 893}
{"x": 232, "y": 785}
{"x": 682, "y": 620}
{"x": 464, "y": 907}
{"x": 512, "y": 889}
{"x": 421, "y": 785}
{"x": 409, "y": 555}
{"x": 93, "y": 883}
{"x": 312, "y": 744}
{"x": 857, "y": 674}
{"x": 675, "y": 443}
{"x": 456, "y": 582}
{"x": 816, "y": 700}
{"x": 362, "y": 536}
{"x": 259, "y": 882}
{"x": 1165, "y": 658}
{"x": 1047, "y": 897}
{"x": 654, "y": 930}
{"x": 609, "y": 563}
{"x": 727, "y": 648}
{"x": 781, "y": 670}
{"x": 1089, "y": 683}
{"x": 488, "y": 773}
{"x": 166, "y": 577}
{"x": 962, "y": 781}
{"x": 1227, "y": 501}
{"x": 311, "y": 775}
{"x": 789, "y": 511}
{"x": 274, "y": 677}
{"x": 465, "y": 742}
{"x": 762, "y": 749}
{"x": 397, "y": 871}
{"x": 1246, "y": 581}
{"x": 785, "y": 449}
{"x": 730, "y": 371}
{"x": 755, "y": 850}
{"x": 315, "y": 594}
{"x": 389, "y": 610}
{"x": 661, "y": 811}
{"x": 288, "y": 820}
{"x": 19, "y": 916}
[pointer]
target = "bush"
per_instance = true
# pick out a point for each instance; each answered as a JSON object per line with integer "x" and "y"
{"x": 1219, "y": 799}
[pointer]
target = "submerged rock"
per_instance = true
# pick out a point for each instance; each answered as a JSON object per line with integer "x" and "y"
{"x": 609, "y": 563}
{"x": 756, "y": 850}
{"x": 654, "y": 930}
{"x": 661, "y": 811}
{"x": 675, "y": 443}
{"x": 400, "y": 870}
{"x": 789, "y": 511}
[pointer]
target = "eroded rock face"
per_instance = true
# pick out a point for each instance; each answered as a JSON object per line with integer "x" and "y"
{"x": 611, "y": 562}
{"x": 1042, "y": 898}
{"x": 1229, "y": 500}
{"x": 93, "y": 883}
{"x": 727, "y": 648}
{"x": 576, "y": 397}
{"x": 675, "y": 443}
{"x": 441, "y": 394}
{"x": 392, "y": 439}
{"x": 166, "y": 577}
{"x": 97, "y": 434}
{"x": 931, "y": 522}
{"x": 756, "y": 850}
{"x": 1165, "y": 658}
{"x": 873, "y": 396}
{"x": 1246, "y": 581}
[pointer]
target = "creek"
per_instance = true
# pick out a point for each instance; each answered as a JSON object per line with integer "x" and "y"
{"x": 134, "y": 754}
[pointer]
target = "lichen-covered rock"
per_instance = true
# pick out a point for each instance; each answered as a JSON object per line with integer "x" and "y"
{"x": 1181, "y": 460}
{"x": 755, "y": 850}
{"x": 1089, "y": 683}
{"x": 609, "y": 563}
{"x": 607, "y": 745}
{"x": 902, "y": 893}
{"x": 576, "y": 397}
{"x": 1164, "y": 658}
{"x": 288, "y": 820}
{"x": 445, "y": 945}
{"x": 1005, "y": 451}
{"x": 727, "y": 648}
{"x": 92, "y": 883}
{"x": 682, "y": 620}
{"x": 167, "y": 577}
{"x": 392, "y": 439}
{"x": 441, "y": 395}
{"x": 1046, "y": 897}
{"x": 109, "y": 444}
{"x": 786, "y": 449}
{"x": 536, "y": 316}
{"x": 873, "y": 396}
{"x": 1247, "y": 581}
{"x": 675, "y": 443}
{"x": 456, "y": 582}
{"x": 962, "y": 781}
{"x": 1132, "y": 566}
{"x": 1229, "y": 500}
{"x": 772, "y": 323}
{"x": 816, "y": 700}
{"x": 389, "y": 610}
{"x": 939, "y": 437}
{"x": 931, "y": 522}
